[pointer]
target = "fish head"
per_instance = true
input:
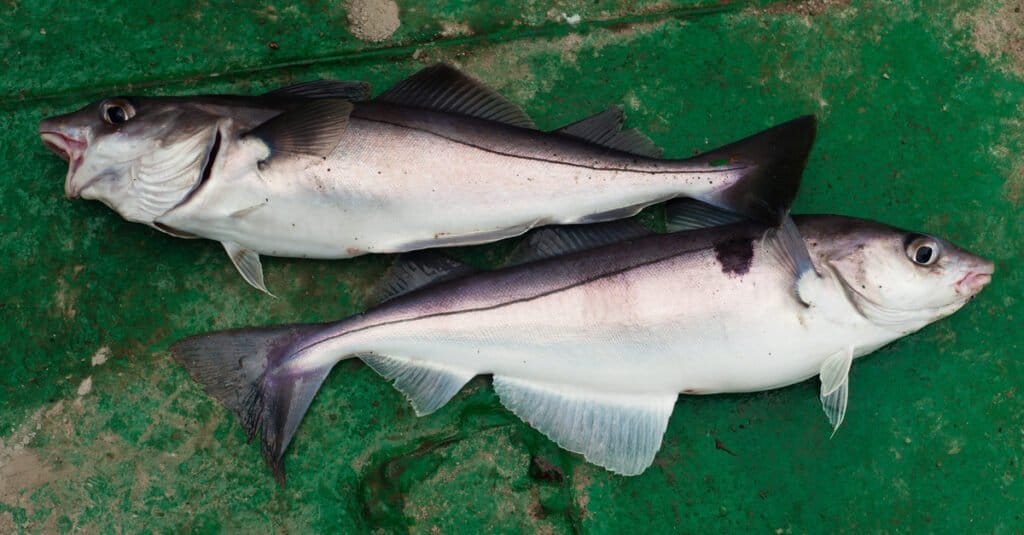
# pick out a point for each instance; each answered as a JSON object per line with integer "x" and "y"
{"x": 896, "y": 277}
{"x": 139, "y": 156}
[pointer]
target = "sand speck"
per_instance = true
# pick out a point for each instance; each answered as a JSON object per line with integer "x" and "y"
{"x": 100, "y": 357}
{"x": 85, "y": 387}
{"x": 372, "y": 20}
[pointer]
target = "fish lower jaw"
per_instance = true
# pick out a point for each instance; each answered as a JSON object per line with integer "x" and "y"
{"x": 70, "y": 150}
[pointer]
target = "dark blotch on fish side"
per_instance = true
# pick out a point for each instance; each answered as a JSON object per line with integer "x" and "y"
{"x": 735, "y": 256}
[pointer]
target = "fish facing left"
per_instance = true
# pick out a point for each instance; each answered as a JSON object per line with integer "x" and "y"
{"x": 593, "y": 346}
{"x": 320, "y": 170}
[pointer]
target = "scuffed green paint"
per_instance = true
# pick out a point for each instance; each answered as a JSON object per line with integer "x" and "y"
{"x": 920, "y": 110}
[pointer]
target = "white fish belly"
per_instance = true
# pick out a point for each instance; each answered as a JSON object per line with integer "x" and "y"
{"x": 391, "y": 189}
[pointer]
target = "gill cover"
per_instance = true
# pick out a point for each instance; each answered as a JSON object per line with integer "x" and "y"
{"x": 141, "y": 157}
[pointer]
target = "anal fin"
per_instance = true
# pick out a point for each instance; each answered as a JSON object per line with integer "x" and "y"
{"x": 691, "y": 214}
{"x": 427, "y": 385}
{"x": 248, "y": 264}
{"x": 549, "y": 242}
{"x": 620, "y": 432}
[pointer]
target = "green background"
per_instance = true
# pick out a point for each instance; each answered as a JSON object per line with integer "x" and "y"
{"x": 921, "y": 107}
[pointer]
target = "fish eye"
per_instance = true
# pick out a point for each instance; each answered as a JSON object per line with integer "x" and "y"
{"x": 923, "y": 251}
{"x": 117, "y": 111}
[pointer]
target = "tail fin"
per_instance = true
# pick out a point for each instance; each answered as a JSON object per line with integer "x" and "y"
{"x": 243, "y": 370}
{"x": 771, "y": 164}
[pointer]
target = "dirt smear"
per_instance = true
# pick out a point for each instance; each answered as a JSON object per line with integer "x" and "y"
{"x": 997, "y": 34}
{"x": 373, "y": 20}
{"x": 808, "y": 8}
{"x": 1013, "y": 188}
{"x": 511, "y": 67}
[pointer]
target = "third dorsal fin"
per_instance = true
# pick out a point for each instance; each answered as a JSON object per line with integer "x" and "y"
{"x": 605, "y": 129}
{"x": 416, "y": 270}
{"x": 443, "y": 88}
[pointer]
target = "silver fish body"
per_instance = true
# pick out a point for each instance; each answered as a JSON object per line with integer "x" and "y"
{"x": 592, "y": 348}
{"x": 420, "y": 166}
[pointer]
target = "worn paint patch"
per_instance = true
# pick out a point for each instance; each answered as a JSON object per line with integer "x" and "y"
{"x": 451, "y": 28}
{"x": 997, "y": 33}
{"x": 1013, "y": 188}
{"x": 811, "y": 8}
{"x": 511, "y": 67}
{"x": 373, "y": 20}
{"x": 100, "y": 357}
{"x": 735, "y": 256}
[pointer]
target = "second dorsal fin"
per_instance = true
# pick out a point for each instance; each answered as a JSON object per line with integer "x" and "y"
{"x": 605, "y": 129}
{"x": 443, "y": 88}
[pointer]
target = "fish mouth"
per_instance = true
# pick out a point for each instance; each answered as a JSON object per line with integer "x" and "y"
{"x": 975, "y": 279}
{"x": 70, "y": 150}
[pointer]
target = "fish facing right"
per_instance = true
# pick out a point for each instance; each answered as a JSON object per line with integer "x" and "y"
{"x": 319, "y": 170}
{"x": 591, "y": 338}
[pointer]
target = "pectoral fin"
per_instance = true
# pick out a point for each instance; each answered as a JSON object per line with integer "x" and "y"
{"x": 248, "y": 264}
{"x": 789, "y": 248}
{"x": 835, "y": 379}
{"x": 313, "y": 129}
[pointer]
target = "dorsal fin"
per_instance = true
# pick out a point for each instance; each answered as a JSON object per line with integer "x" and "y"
{"x": 605, "y": 129}
{"x": 690, "y": 214}
{"x": 414, "y": 271}
{"x": 550, "y": 242}
{"x": 443, "y": 88}
{"x": 351, "y": 90}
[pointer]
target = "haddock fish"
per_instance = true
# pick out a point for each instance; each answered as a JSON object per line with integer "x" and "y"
{"x": 591, "y": 337}
{"x": 318, "y": 170}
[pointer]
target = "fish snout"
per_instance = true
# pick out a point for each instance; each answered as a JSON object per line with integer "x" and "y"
{"x": 978, "y": 276}
{"x": 69, "y": 144}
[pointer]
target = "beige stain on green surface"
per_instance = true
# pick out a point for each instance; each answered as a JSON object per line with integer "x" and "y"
{"x": 373, "y": 20}
{"x": 998, "y": 33}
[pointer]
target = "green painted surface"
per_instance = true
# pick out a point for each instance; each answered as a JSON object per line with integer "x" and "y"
{"x": 922, "y": 114}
